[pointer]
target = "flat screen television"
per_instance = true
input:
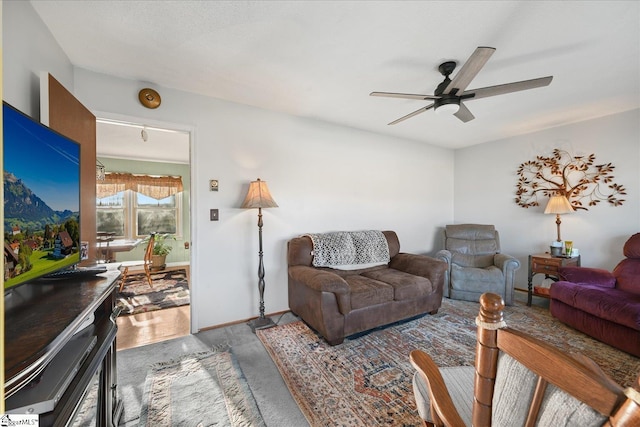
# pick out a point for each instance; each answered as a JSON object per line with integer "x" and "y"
{"x": 41, "y": 176}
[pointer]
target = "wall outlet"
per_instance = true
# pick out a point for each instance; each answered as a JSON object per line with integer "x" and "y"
{"x": 213, "y": 214}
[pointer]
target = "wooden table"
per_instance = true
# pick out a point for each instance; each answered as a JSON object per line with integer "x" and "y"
{"x": 549, "y": 266}
{"x": 108, "y": 249}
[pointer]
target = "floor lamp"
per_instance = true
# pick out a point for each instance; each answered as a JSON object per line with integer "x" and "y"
{"x": 259, "y": 197}
{"x": 558, "y": 205}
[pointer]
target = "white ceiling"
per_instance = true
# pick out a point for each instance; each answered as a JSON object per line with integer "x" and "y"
{"x": 321, "y": 59}
{"x": 124, "y": 140}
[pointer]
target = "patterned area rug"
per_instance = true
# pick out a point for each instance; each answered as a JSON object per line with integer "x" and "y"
{"x": 175, "y": 391}
{"x": 367, "y": 380}
{"x": 170, "y": 289}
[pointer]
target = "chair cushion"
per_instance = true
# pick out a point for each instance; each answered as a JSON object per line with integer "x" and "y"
{"x": 476, "y": 261}
{"x": 513, "y": 392}
{"x": 561, "y": 409}
{"x": 483, "y": 279}
{"x": 459, "y": 382}
{"x": 472, "y": 245}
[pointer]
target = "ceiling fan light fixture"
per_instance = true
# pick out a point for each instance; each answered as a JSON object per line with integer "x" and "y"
{"x": 447, "y": 106}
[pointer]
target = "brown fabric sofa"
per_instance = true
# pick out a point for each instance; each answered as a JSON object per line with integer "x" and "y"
{"x": 338, "y": 303}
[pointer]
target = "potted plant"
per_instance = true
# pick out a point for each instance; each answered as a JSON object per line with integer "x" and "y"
{"x": 160, "y": 250}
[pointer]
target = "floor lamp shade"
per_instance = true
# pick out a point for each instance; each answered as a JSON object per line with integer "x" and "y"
{"x": 558, "y": 205}
{"x": 259, "y": 197}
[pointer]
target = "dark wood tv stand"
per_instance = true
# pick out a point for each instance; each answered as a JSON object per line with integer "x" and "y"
{"x": 40, "y": 318}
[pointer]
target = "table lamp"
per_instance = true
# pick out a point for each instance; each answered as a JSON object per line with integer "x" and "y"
{"x": 558, "y": 205}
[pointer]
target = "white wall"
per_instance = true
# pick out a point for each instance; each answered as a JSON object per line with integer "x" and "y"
{"x": 28, "y": 49}
{"x": 326, "y": 177}
{"x": 322, "y": 176}
{"x": 486, "y": 177}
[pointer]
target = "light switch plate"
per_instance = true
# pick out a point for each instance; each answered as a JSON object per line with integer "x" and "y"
{"x": 213, "y": 214}
{"x": 213, "y": 185}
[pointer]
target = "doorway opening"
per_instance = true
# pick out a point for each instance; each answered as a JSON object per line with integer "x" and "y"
{"x": 146, "y": 190}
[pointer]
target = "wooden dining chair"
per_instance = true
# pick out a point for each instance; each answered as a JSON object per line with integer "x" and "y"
{"x": 519, "y": 380}
{"x": 146, "y": 263}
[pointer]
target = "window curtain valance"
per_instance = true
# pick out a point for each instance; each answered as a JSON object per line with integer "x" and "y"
{"x": 157, "y": 187}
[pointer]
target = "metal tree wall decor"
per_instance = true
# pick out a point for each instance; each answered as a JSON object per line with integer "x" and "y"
{"x": 581, "y": 181}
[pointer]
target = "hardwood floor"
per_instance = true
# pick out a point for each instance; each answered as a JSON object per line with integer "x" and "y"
{"x": 136, "y": 330}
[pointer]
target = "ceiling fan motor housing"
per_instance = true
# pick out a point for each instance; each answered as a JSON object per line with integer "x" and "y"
{"x": 448, "y": 104}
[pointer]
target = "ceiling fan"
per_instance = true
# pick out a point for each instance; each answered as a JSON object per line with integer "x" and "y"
{"x": 449, "y": 94}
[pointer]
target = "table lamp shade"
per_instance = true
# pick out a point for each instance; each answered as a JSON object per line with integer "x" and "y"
{"x": 558, "y": 205}
{"x": 258, "y": 196}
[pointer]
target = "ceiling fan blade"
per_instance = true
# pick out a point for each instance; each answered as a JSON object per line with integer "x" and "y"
{"x": 404, "y": 95}
{"x": 469, "y": 70}
{"x": 506, "y": 88}
{"x": 464, "y": 114}
{"x": 415, "y": 113}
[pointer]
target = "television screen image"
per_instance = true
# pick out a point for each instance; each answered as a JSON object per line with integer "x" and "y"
{"x": 41, "y": 199}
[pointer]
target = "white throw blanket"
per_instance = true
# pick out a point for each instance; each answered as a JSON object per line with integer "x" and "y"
{"x": 342, "y": 248}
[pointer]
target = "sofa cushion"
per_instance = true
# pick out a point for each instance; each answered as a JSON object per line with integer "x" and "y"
{"x": 627, "y": 274}
{"x": 631, "y": 247}
{"x": 405, "y": 285}
{"x": 366, "y": 292}
{"x": 613, "y": 305}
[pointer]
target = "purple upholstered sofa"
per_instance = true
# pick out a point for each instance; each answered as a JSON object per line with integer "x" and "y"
{"x": 601, "y": 304}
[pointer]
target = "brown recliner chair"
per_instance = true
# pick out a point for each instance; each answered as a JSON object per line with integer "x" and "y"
{"x": 476, "y": 264}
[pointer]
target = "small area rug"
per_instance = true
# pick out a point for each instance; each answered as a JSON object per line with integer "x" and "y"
{"x": 200, "y": 389}
{"x": 170, "y": 289}
{"x": 367, "y": 380}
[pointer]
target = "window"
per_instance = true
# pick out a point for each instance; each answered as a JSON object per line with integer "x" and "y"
{"x": 129, "y": 214}
{"x": 111, "y": 214}
{"x": 132, "y": 206}
{"x": 156, "y": 215}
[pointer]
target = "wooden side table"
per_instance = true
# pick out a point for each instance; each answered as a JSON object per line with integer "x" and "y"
{"x": 549, "y": 266}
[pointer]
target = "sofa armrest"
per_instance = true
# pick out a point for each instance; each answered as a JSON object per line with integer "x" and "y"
{"x": 323, "y": 281}
{"x": 587, "y": 275}
{"x": 421, "y": 265}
